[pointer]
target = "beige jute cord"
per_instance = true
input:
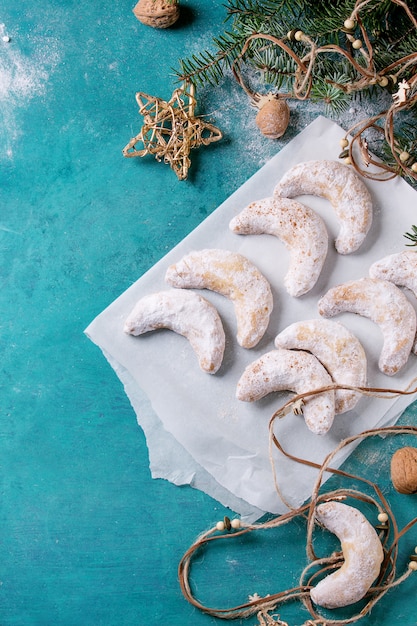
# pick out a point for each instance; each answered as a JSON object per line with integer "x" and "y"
{"x": 368, "y": 75}
{"x": 389, "y": 533}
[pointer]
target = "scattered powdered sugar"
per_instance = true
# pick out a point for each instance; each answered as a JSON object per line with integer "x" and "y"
{"x": 21, "y": 79}
{"x": 229, "y": 107}
{"x": 4, "y": 36}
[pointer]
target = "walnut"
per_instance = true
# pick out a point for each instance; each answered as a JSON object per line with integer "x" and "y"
{"x": 404, "y": 470}
{"x": 157, "y": 13}
{"x": 273, "y": 117}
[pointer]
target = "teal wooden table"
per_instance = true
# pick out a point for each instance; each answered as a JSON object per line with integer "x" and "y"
{"x": 86, "y": 536}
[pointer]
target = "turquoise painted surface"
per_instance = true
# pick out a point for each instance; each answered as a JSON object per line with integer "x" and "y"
{"x": 87, "y": 538}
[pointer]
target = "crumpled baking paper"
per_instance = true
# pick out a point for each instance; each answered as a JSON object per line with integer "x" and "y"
{"x": 197, "y": 432}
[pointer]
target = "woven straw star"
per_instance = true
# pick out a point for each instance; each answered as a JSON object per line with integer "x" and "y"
{"x": 170, "y": 130}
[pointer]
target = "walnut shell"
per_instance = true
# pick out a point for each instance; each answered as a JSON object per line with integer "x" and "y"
{"x": 273, "y": 118}
{"x": 404, "y": 470}
{"x": 157, "y": 13}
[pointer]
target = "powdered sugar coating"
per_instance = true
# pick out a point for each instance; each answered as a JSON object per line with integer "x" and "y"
{"x": 362, "y": 551}
{"x": 339, "y": 350}
{"x": 345, "y": 190}
{"x": 302, "y": 231}
{"x": 386, "y": 305}
{"x": 400, "y": 269}
{"x": 186, "y": 313}
{"x": 235, "y": 277}
{"x": 291, "y": 370}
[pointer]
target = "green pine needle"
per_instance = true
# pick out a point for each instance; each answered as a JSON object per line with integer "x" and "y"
{"x": 412, "y": 236}
{"x": 388, "y": 28}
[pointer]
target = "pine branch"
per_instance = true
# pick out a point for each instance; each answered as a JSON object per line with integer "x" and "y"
{"x": 329, "y": 92}
{"x": 207, "y": 67}
{"x": 412, "y": 236}
{"x": 278, "y": 71}
{"x": 339, "y": 69}
{"x": 385, "y": 22}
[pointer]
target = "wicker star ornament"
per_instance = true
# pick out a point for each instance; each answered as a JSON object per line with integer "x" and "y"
{"x": 171, "y": 129}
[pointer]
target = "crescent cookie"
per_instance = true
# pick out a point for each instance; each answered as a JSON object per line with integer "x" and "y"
{"x": 387, "y": 306}
{"x": 339, "y": 350}
{"x": 302, "y": 231}
{"x": 399, "y": 268}
{"x": 236, "y": 278}
{"x": 344, "y": 189}
{"x": 186, "y": 313}
{"x": 291, "y": 370}
{"x": 362, "y": 551}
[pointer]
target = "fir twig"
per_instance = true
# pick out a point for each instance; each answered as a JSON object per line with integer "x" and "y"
{"x": 209, "y": 67}
{"x": 412, "y": 236}
{"x": 328, "y": 62}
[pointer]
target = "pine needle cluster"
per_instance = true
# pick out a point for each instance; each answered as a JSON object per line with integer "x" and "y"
{"x": 388, "y": 28}
{"x": 339, "y": 70}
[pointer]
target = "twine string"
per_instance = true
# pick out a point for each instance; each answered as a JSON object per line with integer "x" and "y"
{"x": 367, "y": 75}
{"x": 390, "y": 534}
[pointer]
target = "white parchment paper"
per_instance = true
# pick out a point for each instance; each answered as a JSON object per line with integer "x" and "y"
{"x": 197, "y": 432}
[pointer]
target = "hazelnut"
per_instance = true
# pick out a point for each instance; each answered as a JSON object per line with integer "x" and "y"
{"x": 273, "y": 118}
{"x": 157, "y": 13}
{"x": 404, "y": 470}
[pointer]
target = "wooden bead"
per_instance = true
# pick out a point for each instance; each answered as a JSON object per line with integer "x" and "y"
{"x": 157, "y": 13}
{"x": 349, "y": 24}
{"x": 404, "y": 470}
{"x": 273, "y": 118}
